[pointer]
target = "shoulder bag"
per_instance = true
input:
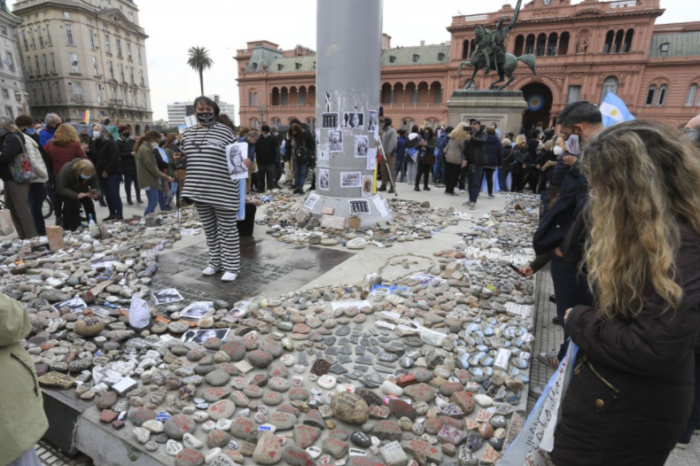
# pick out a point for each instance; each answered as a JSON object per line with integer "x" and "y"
{"x": 21, "y": 167}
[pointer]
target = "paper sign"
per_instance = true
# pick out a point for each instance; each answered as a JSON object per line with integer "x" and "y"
{"x": 235, "y": 155}
{"x": 382, "y": 206}
{"x": 139, "y": 314}
{"x": 519, "y": 310}
{"x": 190, "y": 121}
{"x": 311, "y": 201}
{"x": 333, "y": 222}
{"x": 371, "y": 159}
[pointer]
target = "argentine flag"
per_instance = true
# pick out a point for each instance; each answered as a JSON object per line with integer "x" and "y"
{"x": 614, "y": 110}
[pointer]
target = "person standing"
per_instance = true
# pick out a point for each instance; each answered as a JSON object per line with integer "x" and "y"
{"x": 388, "y": 166}
{"x": 22, "y": 407}
{"x": 453, "y": 158}
{"x": 53, "y": 122}
{"x": 106, "y": 152}
{"x": 64, "y": 147}
{"x": 301, "y": 146}
{"x": 474, "y": 161}
{"x": 494, "y": 157}
{"x": 521, "y": 162}
{"x": 507, "y": 165}
{"x": 37, "y": 157}
{"x": 412, "y": 154}
{"x": 208, "y": 184}
{"x": 78, "y": 186}
{"x": 439, "y": 171}
{"x": 12, "y": 143}
{"x": 267, "y": 153}
{"x": 640, "y": 243}
{"x": 400, "y": 156}
{"x": 127, "y": 156}
{"x": 149, "y": 176}
{"x": 426, "y": 159}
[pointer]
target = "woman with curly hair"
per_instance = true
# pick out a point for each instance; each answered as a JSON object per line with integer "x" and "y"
{"x": 633, "y": 384}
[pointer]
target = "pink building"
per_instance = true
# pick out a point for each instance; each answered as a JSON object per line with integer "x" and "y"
{"x": 583, "y": 51}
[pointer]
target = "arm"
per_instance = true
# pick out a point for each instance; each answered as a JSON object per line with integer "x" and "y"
{"x": 148, "y": 158}
{"x": 124, "y": 149}
{"x": 479, "y": 139}
{"x": 14, "y": 321}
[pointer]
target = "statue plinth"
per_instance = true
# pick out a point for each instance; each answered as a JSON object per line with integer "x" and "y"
{"x": 506, "y": 108}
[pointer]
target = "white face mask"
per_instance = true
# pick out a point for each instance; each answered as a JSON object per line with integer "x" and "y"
{"x": 558, "y": 151}
{"x": 96, "y": 135}
{"x": 572, "y": 145}
{"x": 154, "y": 145}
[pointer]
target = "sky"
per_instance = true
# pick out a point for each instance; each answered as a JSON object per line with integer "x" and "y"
{"x": 224, "y": 26}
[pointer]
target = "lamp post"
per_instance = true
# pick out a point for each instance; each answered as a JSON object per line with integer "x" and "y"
{"x": 262, "y": 110}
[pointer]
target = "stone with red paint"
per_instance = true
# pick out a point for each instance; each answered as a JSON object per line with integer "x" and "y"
{"x": 305, "y": 436}
{"x": 189, "y": 457}
{"x": 268, "y": 450}
{"x": 295, "y": 456}
{"x": 177, "y": 426}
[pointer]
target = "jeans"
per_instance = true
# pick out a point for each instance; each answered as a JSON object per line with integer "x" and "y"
{"x": 161, "y": 200}
{"x": 503, "y": 180}
{"x": 110, "y": 188}
{"x": 299, "y": 175}
{"x": 36, "y": 202}
{"x": 128, "y": 179}
{"x": 400, "y": 169}
{"x": 71, "y": 212}
{"x": 474, "y": 174}
{"x": 488, "y": 174}
{"x": 153, "y": 196}
{"x": 439, "y": 169}
{"x": 266, "y": 173}
{"x": 411, "y": 170}
{"x": 694, "y": 419}
{"x": 451, "y": 177}
{"x": 571, "y": 289}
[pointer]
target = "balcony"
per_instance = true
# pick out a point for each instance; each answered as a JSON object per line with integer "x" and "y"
{"x": 401, "y": 107}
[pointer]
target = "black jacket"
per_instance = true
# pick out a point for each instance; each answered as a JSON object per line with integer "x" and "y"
{"x": 106, "y": 154}
{"x": 128, "y": 161}
{"x": 474, "y": 152}
{"x": 10, "y": 147}
{"x": 494, "y": 151}
{"x": 555, "y": 225}
{"x": 629, "y": 399}
{"x": 266, "y": 150}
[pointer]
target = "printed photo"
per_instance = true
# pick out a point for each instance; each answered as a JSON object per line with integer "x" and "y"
{"x": 75, "y": 305}
{"x": 367, "y": 181}
{"x": 329, "y": 120}
{"x": 324, "y": 179}
{"x": 335, "y": 141}
{"x": 197, "y": 309}
{"x": 235, "y": 154}
{"x": 361, "y": 146}
{"x": 353, "y": 120}
{"x": 372, "y": 120}
{"x": 167, "y": 296}
{"x": 351, "y": 180}
{"x": 200, "y": 336}
{"x": 359, "y": 207}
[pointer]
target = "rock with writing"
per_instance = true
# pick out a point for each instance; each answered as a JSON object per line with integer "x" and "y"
{"x": 350, "y": 408}
{"x": 268, "y": 450}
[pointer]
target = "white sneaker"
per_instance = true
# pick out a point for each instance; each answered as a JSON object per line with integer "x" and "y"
{"x": 209, "y": 271}
{"x": 228, "y": 277}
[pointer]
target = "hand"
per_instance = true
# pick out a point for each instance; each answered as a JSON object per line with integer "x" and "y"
{"x": 171, "y": 179}
{"x": 464, "y": 164}
{"x": 82, "y": 195}
{"x": 527, "y": 271}
{"x": 469, "y": 137}
{"x": 246, "y": 162}
{"x": 93, "y": 196}
{"x": 558, "y": 252}
{"x": 566, "y": 314}
{"x": 105, "y": 175}
{"x": 133, "y": 153}
{"x": 569, "y": 160}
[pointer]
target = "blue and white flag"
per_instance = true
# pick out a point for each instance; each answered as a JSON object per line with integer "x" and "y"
{"x": 614, "y": 110}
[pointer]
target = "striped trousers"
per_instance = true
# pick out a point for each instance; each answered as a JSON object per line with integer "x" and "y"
{"x": 223, "y": 241}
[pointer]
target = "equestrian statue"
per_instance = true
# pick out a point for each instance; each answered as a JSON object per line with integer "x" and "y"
{"x": 490, "y": 54}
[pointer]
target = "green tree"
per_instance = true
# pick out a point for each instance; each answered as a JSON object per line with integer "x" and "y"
{"x": 199, "y": 61}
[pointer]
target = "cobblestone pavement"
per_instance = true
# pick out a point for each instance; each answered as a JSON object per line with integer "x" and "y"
{"x": 548, "y": 337}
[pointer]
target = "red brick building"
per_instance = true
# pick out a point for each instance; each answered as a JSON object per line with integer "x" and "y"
{"x": 583, "y": 51}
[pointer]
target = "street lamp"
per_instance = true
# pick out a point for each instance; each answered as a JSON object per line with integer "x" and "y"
{"x": 262, "y": 110}
{"x": 23, "y": 98}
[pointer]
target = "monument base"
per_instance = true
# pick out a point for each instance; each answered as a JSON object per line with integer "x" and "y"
{"x": 506, "y": 108}
{"x": 343, "y": 213}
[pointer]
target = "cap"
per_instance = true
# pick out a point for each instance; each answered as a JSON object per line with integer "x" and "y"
{"x": 474, "y": 120}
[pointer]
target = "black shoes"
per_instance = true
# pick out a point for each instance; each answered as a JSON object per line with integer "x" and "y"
{"x": 416, "y": 189}
{"x": 382, "y": 188}
{"x": 109, "y": 219}
{"x": 425, "y": 188}
{"x": 129, "y": 202}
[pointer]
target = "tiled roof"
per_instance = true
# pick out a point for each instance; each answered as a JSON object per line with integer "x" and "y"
{"x": 680, "y": 44}
{"x": 406, "y": 56}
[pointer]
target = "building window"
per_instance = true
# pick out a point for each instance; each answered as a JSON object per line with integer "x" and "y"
{"x": 541, "y": 44}
{"x": 31, "y": 33}
{"x": 5, "y": 93}
{"x": 665, "y": 47}
{"x": 138, "y": 53}
{"x": 529, "y": 45}
{"x": 78, "y": 92}
{"x": 690, "y": 97}
{"x": 24, "y": 39}
{"x": 108, "y": 48}
{"x": 609, "y": 38}
{"x": 48, "y": 35}
{"x": 574, "y": 92}
{"x": 119, "y": 47}
{"x": 302, "y": 97}
{"x": 128, "y": 50}
{"x": 69, "y": 34}
{"x": 619, "y": 38}
{"x": 10, "y": 61}
{"x": 392, "y": 58}
{"x": 9, "y": 113}
{"x": 53, "y": 63}
{"x": 3, "y": 30}
{"x": 415, "y": 97}
{"x": 74, "y": 63}
{"x": 36, "y": 64}
{"x": 651, "y": 93}
{"x": 416, "y": 57}
{"x": 663, "y": 91}
{"x": 92, "y": 39}
{"x": 99, "y": 93}
{"x": 41, "y": 39}
{"x": 46, "y": 64}
{"x": 131, "y": 75}
{"x": 552, "y": 44}
{"x": 628, "y": 41}
{"x": 111, "y": 69}
{"x": 141, "y": 78}
{"x": 438, "y": 96}
{"x": 609, "y": 85}
{"x": 121, "y": 72}
{"x": 94, "y": 66}
{"x": 285, "y": 96}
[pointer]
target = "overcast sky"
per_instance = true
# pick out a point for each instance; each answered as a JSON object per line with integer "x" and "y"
{"x": 224, "y": 26}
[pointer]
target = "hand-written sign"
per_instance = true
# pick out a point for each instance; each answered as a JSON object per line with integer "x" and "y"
{"x": 333, "y": 222}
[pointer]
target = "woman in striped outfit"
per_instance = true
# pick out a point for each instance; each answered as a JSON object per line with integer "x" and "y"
{"x": 209, "y": 185}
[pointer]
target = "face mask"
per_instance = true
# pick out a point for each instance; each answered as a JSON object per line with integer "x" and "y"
{"x": 205, "y": 118}
{"x": 558, "y": 151}
{"x": 85, "y": 177}
{"x": 96, "y": 135}
{"x": 266, "y": 135}
{"x": 572, "y": 145}
{"x": 162, "y": 139}
{"x": 154, "y": 145}
{"x": 126, "y": 135}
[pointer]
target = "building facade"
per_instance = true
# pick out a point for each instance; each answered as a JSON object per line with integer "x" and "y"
{"x": 583, "y": 51}
{"x": 14, "y": 99}
{"x": 83, "y": 55}
{"x": 177, "y": 111}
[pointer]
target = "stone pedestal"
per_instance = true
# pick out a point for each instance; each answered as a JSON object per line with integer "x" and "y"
{"x": 506, "y": 108}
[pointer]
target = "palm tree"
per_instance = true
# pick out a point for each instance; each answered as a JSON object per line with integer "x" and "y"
{"x": 199, "y": 61}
